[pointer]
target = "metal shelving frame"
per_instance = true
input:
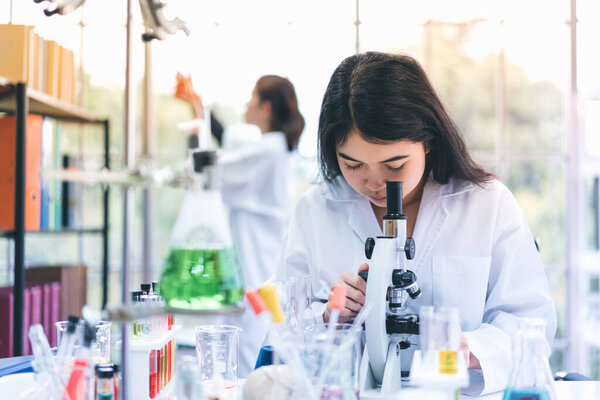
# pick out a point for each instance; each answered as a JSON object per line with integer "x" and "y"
{"x": 21, "y": 101}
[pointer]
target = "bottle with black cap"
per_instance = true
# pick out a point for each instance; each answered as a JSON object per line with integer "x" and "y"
{"x": 105, "y": 383}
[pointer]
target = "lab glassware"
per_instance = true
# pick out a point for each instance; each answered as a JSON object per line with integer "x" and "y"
{"x": 217, "y": 348}
{"x": 332, "y": 366}
{"x": 531, "y": 377}
{"x": 189, "y": 379}
{"x": 101, "y": 345}
{"x": 201, "y": 271}
{"x": 105, "y": 384}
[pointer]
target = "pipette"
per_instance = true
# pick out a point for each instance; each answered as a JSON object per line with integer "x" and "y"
{"x": 289, "y": 352}
{"x": 45, "y": 366}
{"x": 336, "y": 305}
{"x": 65, "y": 349}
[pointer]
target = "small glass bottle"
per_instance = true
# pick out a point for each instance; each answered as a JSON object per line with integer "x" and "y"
{"x": 105, "y": 384}
{"x": 448, "y": 340}
{"x": 189, "y": 378}
{"x": 531, "y": 377}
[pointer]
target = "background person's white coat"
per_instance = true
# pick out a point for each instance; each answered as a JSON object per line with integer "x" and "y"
{"x": 474, "y": 251}
{"x": 258, "y": 191}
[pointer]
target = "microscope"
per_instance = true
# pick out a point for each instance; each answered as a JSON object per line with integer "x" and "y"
{"x": 389, "y": 285}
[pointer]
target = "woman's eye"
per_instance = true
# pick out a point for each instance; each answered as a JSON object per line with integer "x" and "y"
{"x": 395, "y": 169}
{"x": 352, "y": 167}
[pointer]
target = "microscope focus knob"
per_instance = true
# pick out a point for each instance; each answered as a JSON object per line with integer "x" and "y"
{"x": 369, "y": 246}
{"x": 364, "y": 275}
{"x": 409, "y": 248}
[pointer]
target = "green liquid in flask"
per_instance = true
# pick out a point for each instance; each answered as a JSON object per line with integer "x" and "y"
{"x": 202, "y": 279}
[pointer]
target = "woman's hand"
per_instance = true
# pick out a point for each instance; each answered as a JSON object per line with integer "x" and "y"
{"x": 471, "y": 361}
{"x": 356, "y": 288}
{"x": 185, "y": 91}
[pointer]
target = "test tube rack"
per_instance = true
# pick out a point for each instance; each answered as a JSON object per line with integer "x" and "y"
{"x": 152, "y": 365}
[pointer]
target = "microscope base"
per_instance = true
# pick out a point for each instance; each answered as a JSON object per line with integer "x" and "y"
{"x": 392, "y": 376}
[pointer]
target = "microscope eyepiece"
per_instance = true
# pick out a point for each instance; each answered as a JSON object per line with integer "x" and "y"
{"x": 394, "y": 200}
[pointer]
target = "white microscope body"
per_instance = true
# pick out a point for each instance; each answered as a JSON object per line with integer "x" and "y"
{"x": 380, "y": 372}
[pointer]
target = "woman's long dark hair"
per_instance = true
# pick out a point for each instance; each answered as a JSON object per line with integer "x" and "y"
{"x": 386, "y": 98}
{"x": 285, "y": 116}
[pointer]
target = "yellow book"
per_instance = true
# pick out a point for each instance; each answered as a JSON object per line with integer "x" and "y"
{"x": 15, "y": 47}
{"x": 52, "y": 68}
{"x": 65, "y": 84}
{"x": 42, "y": 62}
{"x": 34, "y": 77}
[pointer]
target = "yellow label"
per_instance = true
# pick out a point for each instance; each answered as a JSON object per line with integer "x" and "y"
{"x": 448, "y": 362}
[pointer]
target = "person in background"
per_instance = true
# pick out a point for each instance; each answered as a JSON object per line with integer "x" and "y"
{"x": 381, "y": 120}
{"x": 258, "y": 189}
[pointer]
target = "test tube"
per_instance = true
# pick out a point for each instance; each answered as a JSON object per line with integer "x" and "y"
{"x": 153, "y": 377}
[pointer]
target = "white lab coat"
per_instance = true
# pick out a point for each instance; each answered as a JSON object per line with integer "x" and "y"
{"x": 474, "y": 251}
{"x": 258, "y": 191}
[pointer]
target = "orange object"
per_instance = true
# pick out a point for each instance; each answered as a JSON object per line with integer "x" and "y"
{"x": 77, "y": 386}
{"x": 257, "y": 303}
{"x": 33, "y": 149}
{"x": 338, "y": 299}
{"x": 17, "y": 47}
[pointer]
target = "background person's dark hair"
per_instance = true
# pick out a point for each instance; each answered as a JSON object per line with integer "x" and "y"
{"x": 386, "y": 98}
{"x": 285, "y": 116}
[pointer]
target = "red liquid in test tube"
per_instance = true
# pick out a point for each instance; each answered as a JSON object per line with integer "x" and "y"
{"x": 153, "y": 376}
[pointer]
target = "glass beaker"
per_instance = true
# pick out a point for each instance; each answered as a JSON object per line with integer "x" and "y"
{"x": 296, "y": 297}
{"x": 217, "y": 347}
{"x": 100, "y": 346}
{"x": 332, "y": 367}
{"x": 201, "y": 271}
{"x": 531, "y": 377}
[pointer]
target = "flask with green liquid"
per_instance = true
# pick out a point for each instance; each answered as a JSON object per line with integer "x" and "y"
{"x": 201, "y": 271}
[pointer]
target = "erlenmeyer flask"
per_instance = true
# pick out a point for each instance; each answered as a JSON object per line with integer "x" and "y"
{"x": 531, "y": 377}
{"x": 201, "y": 271}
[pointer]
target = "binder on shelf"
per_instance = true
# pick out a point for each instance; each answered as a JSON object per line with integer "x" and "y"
{"x": 47, "y": 149}
{"x": 8, "y": 129}
{"x": 15, "y": 46}
{"x": 46, "y": 307}
{"x": 35, "y": 313}
{"x": 66, "y": 75}
{"x": 56, "y": 186}
{"x": 6, "y": 324}
{"x": 26, "y": 320}
{"x": 69, "y": 192}
{"x": 54, "y": 311}
{"x": 53, "y": 68}
{"x": 73, "y": 285}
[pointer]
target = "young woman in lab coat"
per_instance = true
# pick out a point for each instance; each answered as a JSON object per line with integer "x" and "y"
{"x": 381, "y": 120}
{"x": 258, "y": 189}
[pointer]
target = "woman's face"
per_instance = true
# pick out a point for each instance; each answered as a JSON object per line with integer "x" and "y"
{"x": 367, "y": 166}
{"x": 258, "y": 113}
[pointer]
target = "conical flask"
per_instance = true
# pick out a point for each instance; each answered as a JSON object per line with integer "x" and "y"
{"x": 531, "y": 378}
{"x": 201, "y": 271}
